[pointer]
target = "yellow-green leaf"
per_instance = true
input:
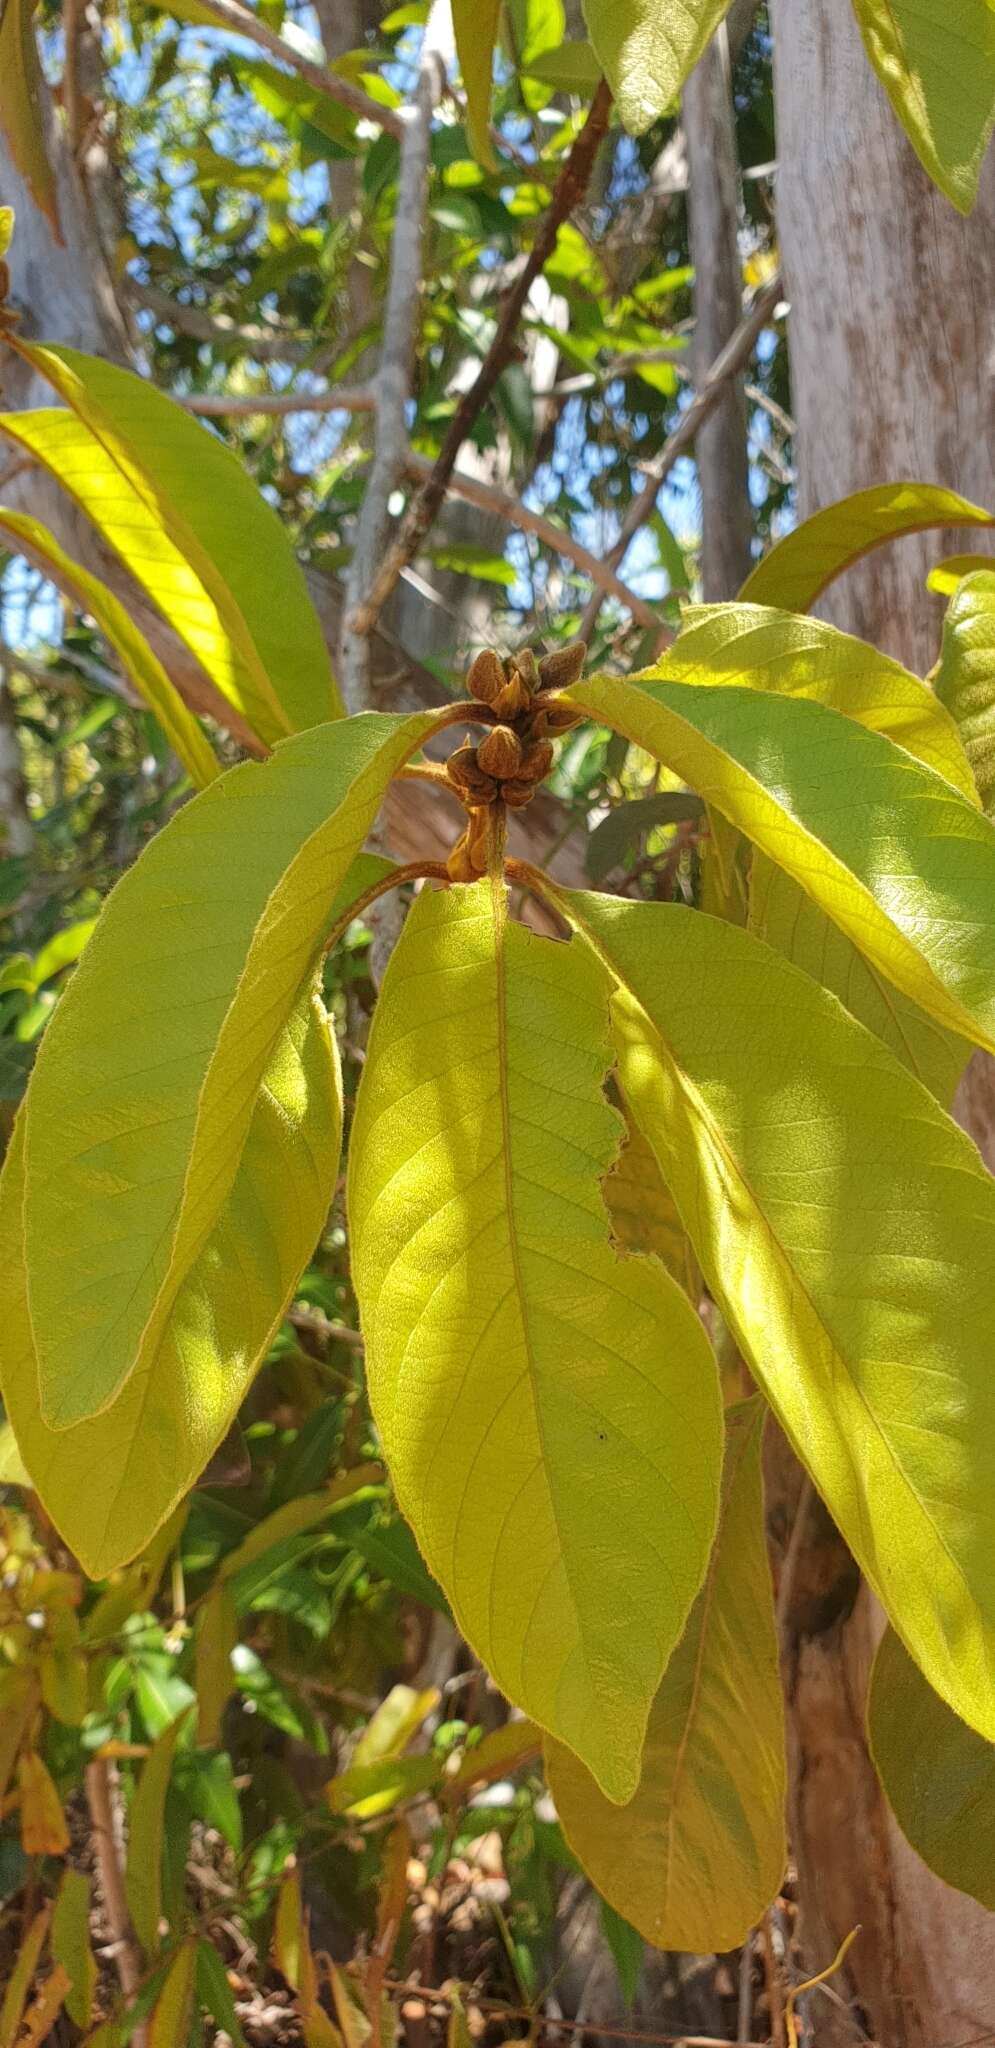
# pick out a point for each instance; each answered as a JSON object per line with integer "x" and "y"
{"x": 110, "y": 1482}
{"x": 476, "y": 25}
{"x": 759, "y": 648}
{"x": 146, "y": 1834}
{"x": 938, "y": 1773}
{"x": 965, "y": 678}
{"x": 150, "y": 1072}
{"x": 136, "y": 657}
{"x": 936, "y": 61}
{"x": 71, "y": 1945}
{"x": 845, "y": 1227}
{"x": 946, "y": 575}
{"x": 13, "y": 1471}
{"x": 22, "y": 119}
{"x": 550, "y": 1412}
{"x": 43, "y": 1822}
{"x": 646, "y": 50}
{"x": 698, "y": 1853}
{"x": 890, "y": 851}
{"x": 797, "y": 571}
{"x": 395, "y": 1721}
{"x": 165, "y": 491}
{"x": 18, "y": 1986}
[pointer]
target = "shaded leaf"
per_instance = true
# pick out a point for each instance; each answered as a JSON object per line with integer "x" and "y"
{"x": 22, "y": 115}
{"x": 614, "y": 839}
{"x": 939, "y": 1775}
{"x": 146, "y": 1834}
{"x": 43, "y": 1823}
{"x": 644, "y": 1216}
{"x": 215, "y": 1993}
{"x": 476, "y": 26}
{"x": 17, "y": 1989}
{"x": 170, "y": 2023}
{"x": 71, "y": 1945}
{"x": 698, "y": 1853}
{"x": 549, "y": 1412}
{"x": 217, "y": 1634}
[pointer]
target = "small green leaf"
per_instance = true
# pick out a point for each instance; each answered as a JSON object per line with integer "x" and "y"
{"x": 22, "y": 115}
{"x": 696, "y": 1856}
{"x": 938, "y": 1774}
{"x": 965, "y": 678}
{"x": 215, "y": 1993}
{"x": 217, "y": 1634}
{"x": 936, "y": 61}
{"x": 572, "y": 67}
{"x": 843, "y": 1224}
{"x": 646, "y": 50}
{"x": 146, "y": 1828}
{"x": 137, "y": 659}
{"x": 550, "y": 1412}
{"x": 170, "y": 2023}
{"x": 802, "y": 565}
{"x": 476, "y": 26}
{"x": 614, "y": 839}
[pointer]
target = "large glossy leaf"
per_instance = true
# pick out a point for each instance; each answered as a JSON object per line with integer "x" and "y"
{"x": 148, "y": 1076}
{"x": 807, "y": 560}
{"x": 161, "y": 487}
{"x": 771, "y": 650}
{"x": 965, "y": 678}
{"x": 476, "y": 25}
{"x": 761, "y": 648}
{"x": 893, "y": 854}
{"x": 22, "y": 121}
{"x": 846, "y": 1228}
{"x": 137, "y": 659}
{"x": 550, "y": 1412}
{"x": 696, "y": 1856}
{"x": 938, "y": 1773}
{"x": 936, "y": 61}
{"x": 110, "y": 1482}
{"x": 647, "y": 49}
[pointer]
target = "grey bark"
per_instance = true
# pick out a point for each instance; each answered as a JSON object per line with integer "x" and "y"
{"x": 714, "y": 206}
{"x": 892, "y": 298}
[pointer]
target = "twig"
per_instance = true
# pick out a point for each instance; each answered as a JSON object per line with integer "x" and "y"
{"x": 312, "y": 1320}
{"x": 728, "y": 363}
{"x": 772, "y": 1978}
{"x": 100, "y": 1794}
{"x": 447, "y": 1994}
{"x": 277, "y": 404}
{"x": 267, "y": 345}
{"x": 393, "y": 376}
{"x": 811, "y": 1984}
{"x": 228, "y": 14}
{"x": 570, "y": 188}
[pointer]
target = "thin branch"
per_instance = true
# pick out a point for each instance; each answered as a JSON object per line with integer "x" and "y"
{"x": 228, "y": 14}
{"x": 393, "y": 373}
{"x": 100, "y": 1795}
{"x": 277, "y": 404}
{"x": 317, "y": 1325}
{"x": 71, "y": 12}
{"x": 728, "y": 363}
{"x": 489, "y": 499}
{"x": 266, "y": 344}
{"x": 570, "y": 189}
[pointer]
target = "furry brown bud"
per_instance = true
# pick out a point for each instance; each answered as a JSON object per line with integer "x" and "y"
{"x": 485, "y": 676}
{"x": 536, "y": 761}
{"x": 524, "y": 665}
{"x": 477, "y": 838}
{"x": 499, "y": 753}
{"x": 565, "y": 665}
{"x": 465, "y": 770}
{"x": 517, "y": 794}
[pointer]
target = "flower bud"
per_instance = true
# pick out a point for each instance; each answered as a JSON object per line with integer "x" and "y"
{"x": 554, "y": 718}
{"x": 485, "y": 676}
{"x": 517, "y": 794}
{"x": 499, "y": 752}
{"x": 459, "y": 866}
{"x": 536, "y": 761}
{"x": 524, "y": 666}
{"x": 465, "y": 770}
{"x": 477, "y": 835}
{"x": 565, "y": 665}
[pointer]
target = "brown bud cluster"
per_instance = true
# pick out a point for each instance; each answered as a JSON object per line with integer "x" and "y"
{"x": 516, "y": 754}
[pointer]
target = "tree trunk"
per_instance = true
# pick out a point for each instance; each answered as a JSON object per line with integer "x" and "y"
{"x": 891, "y": 295}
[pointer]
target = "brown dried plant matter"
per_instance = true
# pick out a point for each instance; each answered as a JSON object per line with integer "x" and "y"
{"x": 506, "y": 767}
